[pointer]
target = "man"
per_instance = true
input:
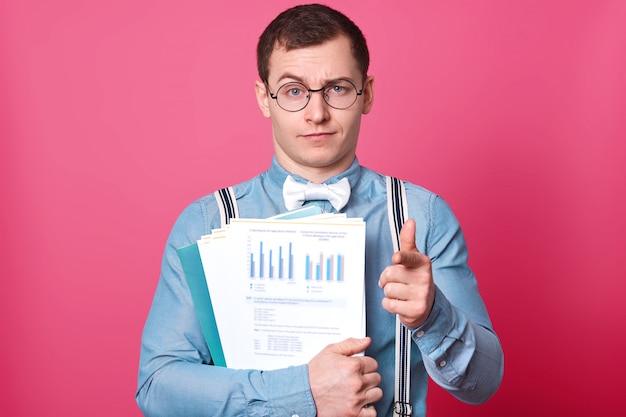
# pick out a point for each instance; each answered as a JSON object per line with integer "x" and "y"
{"x": 314, "y": 88}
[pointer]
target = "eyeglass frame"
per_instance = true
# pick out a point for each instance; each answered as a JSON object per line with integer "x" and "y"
{"x": 309, "y": 91}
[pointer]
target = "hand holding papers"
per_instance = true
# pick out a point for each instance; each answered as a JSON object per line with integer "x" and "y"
{"x": 282, "y": 289}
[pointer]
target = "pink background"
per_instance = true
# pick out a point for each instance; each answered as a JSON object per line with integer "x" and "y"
{"x": 115, "y": 114}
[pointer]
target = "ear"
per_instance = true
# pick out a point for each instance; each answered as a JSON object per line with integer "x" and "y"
{"x": 262, "y": 98}
{"x": 368, "y": 94}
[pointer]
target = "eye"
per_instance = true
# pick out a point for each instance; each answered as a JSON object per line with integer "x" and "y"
{"x": 339, "y": 88}
{"x": 293, "y": 91}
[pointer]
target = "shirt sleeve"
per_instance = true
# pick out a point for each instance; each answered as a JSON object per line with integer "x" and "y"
{"x": 460, "y": 350}
{"x": 176, "y": 375}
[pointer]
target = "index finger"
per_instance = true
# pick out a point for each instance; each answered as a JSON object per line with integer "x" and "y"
{"x": 368, "y": 364}
{"x": 408, "y": 259}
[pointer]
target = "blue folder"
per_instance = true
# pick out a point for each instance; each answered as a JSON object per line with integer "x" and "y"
{"x": 194, "y": 272}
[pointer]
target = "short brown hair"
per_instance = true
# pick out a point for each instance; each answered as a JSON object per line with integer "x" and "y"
{"x": 309, "y": 25}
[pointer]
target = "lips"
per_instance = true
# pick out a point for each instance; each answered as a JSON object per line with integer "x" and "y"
{"x": 318, "y": 135}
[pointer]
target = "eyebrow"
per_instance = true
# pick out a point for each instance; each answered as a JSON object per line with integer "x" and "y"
{"x": 289, "y": 76}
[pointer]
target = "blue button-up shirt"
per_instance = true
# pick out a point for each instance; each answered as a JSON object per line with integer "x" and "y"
{"x": 456, "y": 346}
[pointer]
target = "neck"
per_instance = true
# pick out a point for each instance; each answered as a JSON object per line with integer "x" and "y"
{"x": 314, "y": 174}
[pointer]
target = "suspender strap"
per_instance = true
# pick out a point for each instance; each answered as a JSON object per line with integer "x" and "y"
{"x": 398, "y": 212}
{"x": 227, "y": 204}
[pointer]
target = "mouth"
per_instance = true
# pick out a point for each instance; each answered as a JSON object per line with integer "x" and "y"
{"x": 318, "y": 135}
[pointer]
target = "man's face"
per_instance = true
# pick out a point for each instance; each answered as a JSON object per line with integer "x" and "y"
{"x": 318, "y": 141}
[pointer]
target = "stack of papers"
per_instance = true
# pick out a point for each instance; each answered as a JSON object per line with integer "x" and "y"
{"x": 272, "y": 293}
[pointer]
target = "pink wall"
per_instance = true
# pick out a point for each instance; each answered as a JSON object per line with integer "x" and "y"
{"x": 116, "y": 114}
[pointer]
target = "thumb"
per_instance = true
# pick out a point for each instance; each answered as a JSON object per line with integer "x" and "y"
{"x": 351, "y": 346}
{"x": 407, "y": 236}
{"x": 408, "y": 254}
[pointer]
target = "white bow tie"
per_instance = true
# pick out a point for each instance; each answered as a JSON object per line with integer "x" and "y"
{"x": 296, "y": 193}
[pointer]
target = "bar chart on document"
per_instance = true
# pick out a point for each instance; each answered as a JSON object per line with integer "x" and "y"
{"x": 311, "y": 258}
{"x": 276, "y": 261}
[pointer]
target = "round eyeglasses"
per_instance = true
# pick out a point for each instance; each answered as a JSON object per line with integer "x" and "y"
{"x": 294, "y": 96}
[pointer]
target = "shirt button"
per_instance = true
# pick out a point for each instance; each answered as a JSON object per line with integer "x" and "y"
{"x": 420, "y": 333}
{"x": 443, "y": 363}
{"x": 295, "y": 415}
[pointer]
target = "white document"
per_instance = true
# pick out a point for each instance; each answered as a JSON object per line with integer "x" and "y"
{"x": 282, "y": 290}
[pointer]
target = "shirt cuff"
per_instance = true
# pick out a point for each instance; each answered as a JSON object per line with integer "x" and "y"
{"x": 290, "y": 392}
{"x": 439, "y": 324}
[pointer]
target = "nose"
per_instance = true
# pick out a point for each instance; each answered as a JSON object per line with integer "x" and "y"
{"x": 317, "y": 109}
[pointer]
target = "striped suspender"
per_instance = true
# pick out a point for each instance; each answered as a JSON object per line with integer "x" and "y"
{"x": 227, "y": 203}
{"x": 398, "y": 212}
